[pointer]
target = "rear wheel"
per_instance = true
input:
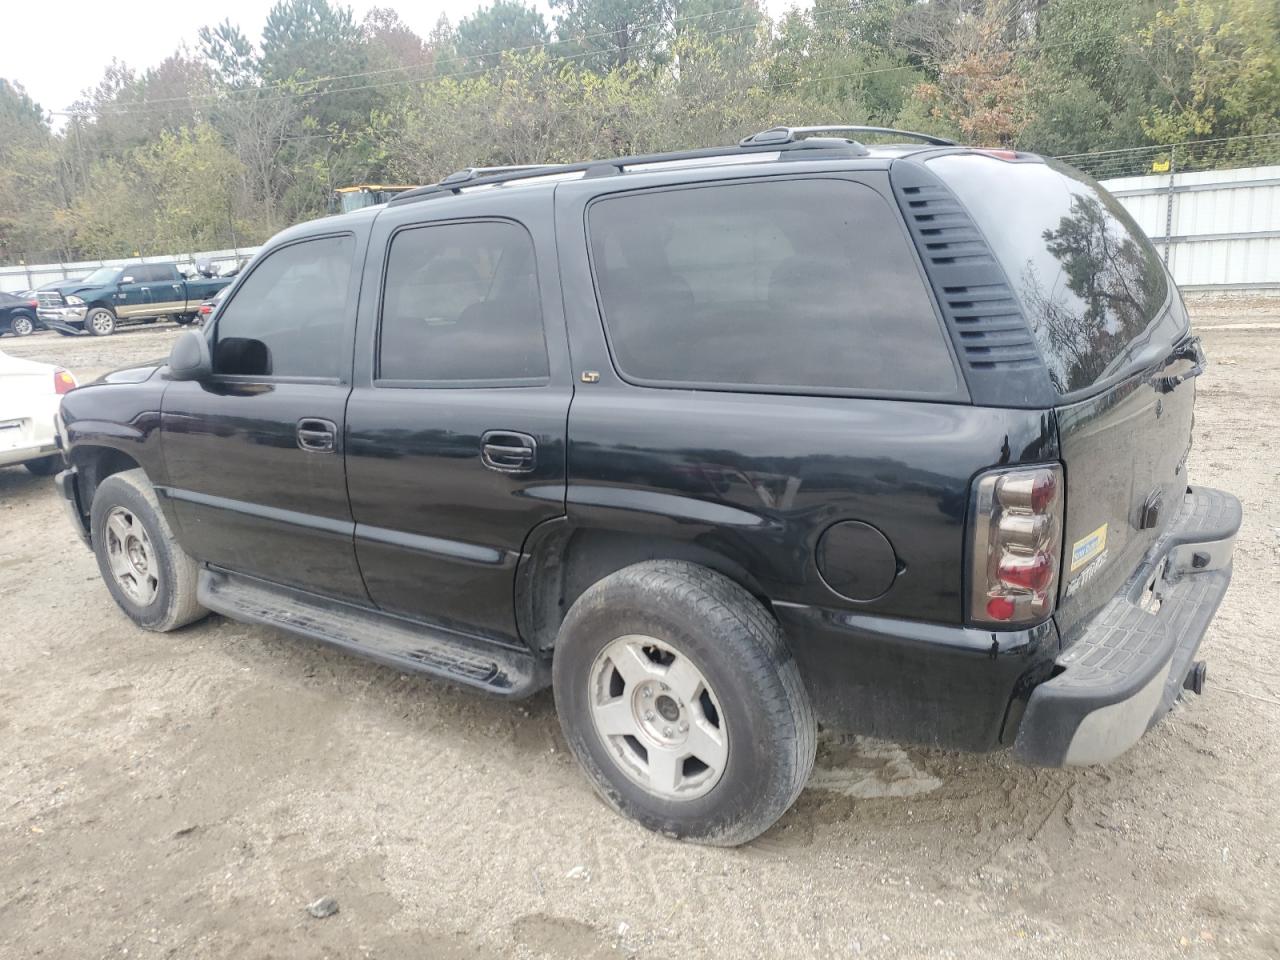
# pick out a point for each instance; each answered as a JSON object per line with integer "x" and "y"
{"x": 45, "y": 466}
{"x": 149, "y": 575}
{"x": 182, "y": 319}
{"x": 101, "y": 322}
{"x": 679, "y": 697}
{"x": 22, "y": 325}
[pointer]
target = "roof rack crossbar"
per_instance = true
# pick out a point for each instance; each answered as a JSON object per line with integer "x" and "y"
{"x": 781, "y": 135}
{"x": 485, "y": 176}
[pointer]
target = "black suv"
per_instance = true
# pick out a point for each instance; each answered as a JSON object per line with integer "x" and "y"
{"x": 719, "y": 445}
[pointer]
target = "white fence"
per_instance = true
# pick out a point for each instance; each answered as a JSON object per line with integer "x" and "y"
{"x": 16, "y": 279}
{"x": 1219, "y": 230}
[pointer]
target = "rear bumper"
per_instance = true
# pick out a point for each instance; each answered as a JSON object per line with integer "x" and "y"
{"x": 1127, "y": 669}
{"x": 29, "y": 451}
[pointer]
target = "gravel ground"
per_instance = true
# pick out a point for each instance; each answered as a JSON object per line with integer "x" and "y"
{"x": 192, "y": 795}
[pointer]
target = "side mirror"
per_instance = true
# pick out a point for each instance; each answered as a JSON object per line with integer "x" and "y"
{"x": 189, "y": 359}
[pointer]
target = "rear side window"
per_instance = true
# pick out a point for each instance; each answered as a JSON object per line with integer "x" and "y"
{"x": 785, "y": 284}
{"x": 460, "y": 304}
{"x": 1091, "y": 285}
{"x": 154, "y": 273}
{"x": 289, "y": 317}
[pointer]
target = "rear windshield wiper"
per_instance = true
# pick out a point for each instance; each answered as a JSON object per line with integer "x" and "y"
{"x": 1191, "y": 350}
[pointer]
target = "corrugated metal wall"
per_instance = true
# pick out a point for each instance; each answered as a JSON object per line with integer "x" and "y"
{"x": 1221, "y": 228}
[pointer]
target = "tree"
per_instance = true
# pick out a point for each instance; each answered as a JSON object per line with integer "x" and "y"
{"x": 505, "y": 25}
{"x": 180, "y": 193}
{"x": 1088, "y": 79}
{"x": 393, "y": 46}
{"x": 979, "y": 90}
{"x": 601, "y": 34}
{"x": 31, "y": 192}
{"x": 1218, "y": 62}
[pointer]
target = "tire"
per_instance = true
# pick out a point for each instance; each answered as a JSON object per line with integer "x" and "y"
{"x": 704, "y": 628}
{"x": 172, "y": 602}
{"x": 22, "y": 325}
{"x": 45, "y": 466}
{"x": 100, "y": 321}
{"x": 182, "y": 319}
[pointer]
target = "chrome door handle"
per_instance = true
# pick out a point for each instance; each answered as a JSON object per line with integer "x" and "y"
{"x": 508, "y": 452}
{"x": 317, "y": 436}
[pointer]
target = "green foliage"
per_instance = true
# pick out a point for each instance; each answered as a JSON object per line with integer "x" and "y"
{"x": 505, "y": 25}
{"x": 604, "y": 34}
{"x": 29, "y": 187}
{"x": 178, "y": 193}
{"x": 250, "y": 134}
{"x": 1218, "y": 61}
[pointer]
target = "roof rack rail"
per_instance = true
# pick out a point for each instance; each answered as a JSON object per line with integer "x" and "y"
{"x": 467, "y": 174}
{"x": 776, "y": 136}
{"x": 487, "y": 176}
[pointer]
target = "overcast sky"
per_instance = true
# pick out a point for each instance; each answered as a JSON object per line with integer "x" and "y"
{"x": 57, "y": 48}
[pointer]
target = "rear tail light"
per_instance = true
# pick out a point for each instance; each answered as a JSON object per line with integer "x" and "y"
{"x": 63, "y": 382}
{"x": 1016, "y": 543}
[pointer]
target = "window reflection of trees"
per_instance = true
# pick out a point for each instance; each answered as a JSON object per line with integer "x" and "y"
{"x": 1114, "y": 285}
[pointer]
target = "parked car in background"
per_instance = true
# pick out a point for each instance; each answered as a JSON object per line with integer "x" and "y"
{"x": 29, "y": 397}
{"x": 719, "y": 445}
{"x": 209, "y": 306}
{"x": 18, "y": 315}
{"x": 111, "y": 296}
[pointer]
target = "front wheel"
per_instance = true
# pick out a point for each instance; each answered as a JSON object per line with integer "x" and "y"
{"x": 149, "y": 575}
{"x": 678, "y": 695}
{"x": 22, "y": 325}
{"x": 182, "y": 319}
{"x": 101, "y": 322}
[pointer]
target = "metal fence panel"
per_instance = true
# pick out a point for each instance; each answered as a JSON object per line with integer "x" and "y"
{"x": 1218, "y": 229}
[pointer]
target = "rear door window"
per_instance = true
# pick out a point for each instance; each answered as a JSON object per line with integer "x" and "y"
{"x": 1091, "y": 285}
{"x": 792, "y": 285}
{"x": 461, "y": 307}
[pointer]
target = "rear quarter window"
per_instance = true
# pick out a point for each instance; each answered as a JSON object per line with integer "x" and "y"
{"x": 1091, "y": 285}
{"x": 791, "y": 285}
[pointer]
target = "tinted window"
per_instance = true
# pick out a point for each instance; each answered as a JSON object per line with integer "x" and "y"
{"x": 151, "y": 273}
{"x": 1091, "y": 285}
{"x": 792, "y": 283}
{"x": 289, "y": 318}
{"x": 461, "y": 303}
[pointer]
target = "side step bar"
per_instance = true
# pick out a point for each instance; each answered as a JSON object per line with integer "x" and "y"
{"x": 378, "y": 636}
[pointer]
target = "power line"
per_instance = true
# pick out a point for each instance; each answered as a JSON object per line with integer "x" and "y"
{"x": 436, "y": 62}
{"x": 217, "y": 99}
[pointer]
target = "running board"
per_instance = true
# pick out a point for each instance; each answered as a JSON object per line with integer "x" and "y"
{"x": 378, "y": 636}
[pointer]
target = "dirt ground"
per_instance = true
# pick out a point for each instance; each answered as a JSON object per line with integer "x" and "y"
{"x": 189, "y": 795}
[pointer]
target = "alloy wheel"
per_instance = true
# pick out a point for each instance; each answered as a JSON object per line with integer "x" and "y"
{"x": 133, "y": 561}
{"x": 659, "y": 717}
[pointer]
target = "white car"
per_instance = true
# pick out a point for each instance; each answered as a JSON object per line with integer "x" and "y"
{"x": 29, "y": 396}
